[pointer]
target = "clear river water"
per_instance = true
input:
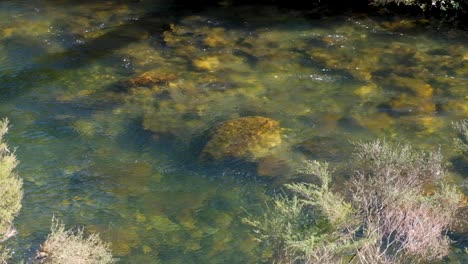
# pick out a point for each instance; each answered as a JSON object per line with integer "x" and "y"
{"x": 111, "y": 103}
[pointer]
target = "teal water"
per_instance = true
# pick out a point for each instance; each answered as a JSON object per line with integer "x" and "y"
{"x": 110, "y": 104}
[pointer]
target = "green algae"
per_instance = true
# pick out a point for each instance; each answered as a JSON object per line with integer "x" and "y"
{"x": 246, "y": 137}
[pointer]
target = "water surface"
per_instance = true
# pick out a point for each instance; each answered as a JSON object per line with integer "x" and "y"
{"x": 111, "y": 104}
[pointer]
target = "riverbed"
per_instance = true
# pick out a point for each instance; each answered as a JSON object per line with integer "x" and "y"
{"x": 111, "y": 104}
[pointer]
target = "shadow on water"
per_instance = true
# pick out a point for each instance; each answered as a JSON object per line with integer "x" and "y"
{"x": 53, "y": 65}
{"x": 154, "y": 22}
{"x": 50, "y": 67}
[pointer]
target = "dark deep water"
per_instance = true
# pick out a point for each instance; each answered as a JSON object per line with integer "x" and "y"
{"x": 110, "y": 103}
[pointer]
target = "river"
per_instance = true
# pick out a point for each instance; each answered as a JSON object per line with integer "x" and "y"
{"x": 111, "y": 102}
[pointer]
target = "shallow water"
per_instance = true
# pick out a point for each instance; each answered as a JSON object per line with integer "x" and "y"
{"x": 111, "y": 104}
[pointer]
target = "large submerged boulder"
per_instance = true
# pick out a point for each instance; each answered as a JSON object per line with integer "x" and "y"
{"x": 248, "y": 138}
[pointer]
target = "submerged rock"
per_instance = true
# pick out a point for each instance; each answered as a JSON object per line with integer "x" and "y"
{"x": 272, "y": 166}
{"x": 150, "y": 78}
{"x": 405, "y": 105}
{"x": 458, "y": 107}
{"x": 247, "y": 138}
{"x": 341, "y": 59}
{"x": 375, "y": 121}
{"x": 325, "y": 147}
{"x": 404, "y": 24}
{"x": 414, "y": 86}
{"x": 209, "y": 63}
{"x": 367, "y": 90}
{"x": 423, "y": 125}
{"x": 216, "y": 37}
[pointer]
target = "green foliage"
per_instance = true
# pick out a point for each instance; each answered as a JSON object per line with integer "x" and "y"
{"x": 329, "y": 204}
{"x": 461, "y": 127}
{"x": 386, "y": 168}
{"x": 282, "y": 224}
{"x": 388, "y": 191}
{"x": 311, "y": 226}
{"x": 388, "y": 218}
{"x": 443, "y": 5}
{"x": 71, "y": 246}
{"x": 11, "y": 192}
{"x": 4, "y": 254}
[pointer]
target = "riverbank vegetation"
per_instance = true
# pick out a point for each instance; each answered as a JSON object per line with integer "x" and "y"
{"x": 397, "y": 209}
{"x": 72, "y": 246}
{"x": 443, "y": 5}
{"x": 453, "y": 10}
{"x": 61, "y": 246}
{"x": 11, "y": 191}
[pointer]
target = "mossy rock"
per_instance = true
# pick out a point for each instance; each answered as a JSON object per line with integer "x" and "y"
{"x": 248, "y": 138}
{"x": 150, "y": 78}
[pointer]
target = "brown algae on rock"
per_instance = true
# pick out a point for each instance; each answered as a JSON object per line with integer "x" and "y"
{"x": 150, "y": 78}
{"x": 247, "y": 138}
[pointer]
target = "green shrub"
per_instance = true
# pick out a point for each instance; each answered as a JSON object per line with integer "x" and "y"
{"x": 390, "y": 192}
{"x": 311, "y": 226}
{"x": 4, "y": 255}
{"x": 72, "y": 247}
{"x": 389, "y": 217}
{"x": 11, "y": 192}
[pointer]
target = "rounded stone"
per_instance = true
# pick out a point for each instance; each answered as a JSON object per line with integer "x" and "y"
{"x": 248, "y": 138}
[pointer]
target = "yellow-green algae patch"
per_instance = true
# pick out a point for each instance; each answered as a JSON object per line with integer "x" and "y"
{"x": 248, "y": 138}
